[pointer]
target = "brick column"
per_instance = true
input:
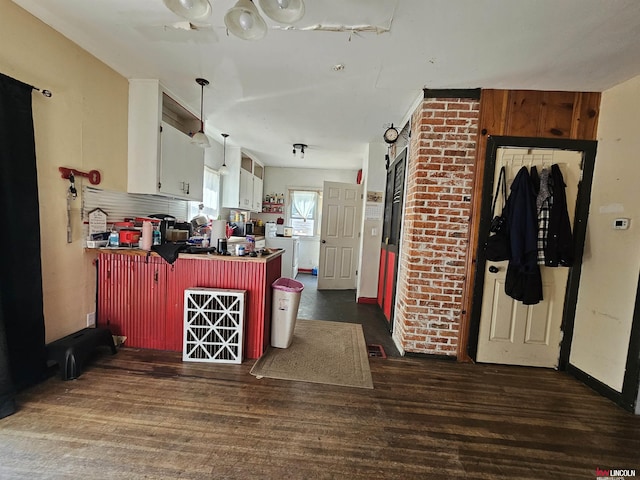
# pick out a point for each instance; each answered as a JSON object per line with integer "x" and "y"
{"x": 435, "y": 230}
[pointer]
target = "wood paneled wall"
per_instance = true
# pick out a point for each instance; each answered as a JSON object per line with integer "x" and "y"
{"x": 521, "y": 113}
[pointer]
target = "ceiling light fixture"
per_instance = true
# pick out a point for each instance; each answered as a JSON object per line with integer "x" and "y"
{"x": 200, "y": 138}
{"x": 300, "y": 147}
{"x": 192, "y": 10}
{"x": 224, "y": 170}
{"x": 244, "y": 20}
{"x": 283, "y": 11}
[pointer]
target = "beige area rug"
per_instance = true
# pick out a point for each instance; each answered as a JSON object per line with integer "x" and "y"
{"x": 334, "y": 353}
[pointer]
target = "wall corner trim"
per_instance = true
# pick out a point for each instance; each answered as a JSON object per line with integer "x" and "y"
{"x": 472, "y": 93}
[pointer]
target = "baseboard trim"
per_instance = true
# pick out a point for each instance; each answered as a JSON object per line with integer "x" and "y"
{"x": 601, "y": 388}
{"x": 432, "y": 356}
{"x": 369, "y": 300}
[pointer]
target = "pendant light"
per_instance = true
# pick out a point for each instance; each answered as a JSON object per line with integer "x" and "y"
{"x": 245, "y": 22}
{"x": 224, "y": 170}
{"x": 283, "y": 11}
{"x": 192, "y": 10}
{"x": 200, "y": 138}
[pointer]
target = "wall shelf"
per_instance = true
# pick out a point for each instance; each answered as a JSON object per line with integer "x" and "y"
{"x": 268, "y": 207}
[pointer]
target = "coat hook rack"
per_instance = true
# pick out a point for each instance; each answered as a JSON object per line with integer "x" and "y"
{"x": 92, "y": 175}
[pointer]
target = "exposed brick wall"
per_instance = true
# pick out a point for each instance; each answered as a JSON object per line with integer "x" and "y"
{"x": 435, "y": 231}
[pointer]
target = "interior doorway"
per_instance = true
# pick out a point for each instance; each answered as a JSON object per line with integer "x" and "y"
{"x": 391, "y": 229}
{"x": 339, "y": 235}
{"x": 503, "y": 331}
{"x": 340, "y": 306}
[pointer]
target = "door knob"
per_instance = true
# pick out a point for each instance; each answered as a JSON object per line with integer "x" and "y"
{"x": 494, "y": 269}
{"x": 324, "y": 241}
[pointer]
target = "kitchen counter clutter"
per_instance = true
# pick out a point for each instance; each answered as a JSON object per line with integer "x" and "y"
{"x": 266, "y": 255}
{"x": 141, "y": 296}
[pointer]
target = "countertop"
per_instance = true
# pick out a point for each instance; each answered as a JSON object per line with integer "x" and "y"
{"x": 193, "y": 256}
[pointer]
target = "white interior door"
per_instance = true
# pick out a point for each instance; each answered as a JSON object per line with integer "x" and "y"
{"x": 339, "y": 236}
{"x": 510, "y": 332}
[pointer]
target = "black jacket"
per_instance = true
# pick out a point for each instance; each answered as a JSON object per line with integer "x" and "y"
{"x": 523, "y": 281}
{"x": 559, "y": 250}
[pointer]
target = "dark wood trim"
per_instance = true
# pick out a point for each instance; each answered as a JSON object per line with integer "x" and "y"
{"x": 631, "y": 382}
{"x": 598, "y": 386}
{"x": 588, "y": 147}
{"x": 473, "y": 93}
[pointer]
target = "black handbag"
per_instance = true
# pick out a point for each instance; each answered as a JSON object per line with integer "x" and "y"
{"x": 497, "y": 247}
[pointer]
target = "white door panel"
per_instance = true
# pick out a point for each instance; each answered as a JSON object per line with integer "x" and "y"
{"x": 341, "y": 207}
{"x": 510, "y": 332}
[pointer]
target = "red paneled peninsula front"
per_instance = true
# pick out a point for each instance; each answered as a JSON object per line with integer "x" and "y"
{"x": 142, "y": 297}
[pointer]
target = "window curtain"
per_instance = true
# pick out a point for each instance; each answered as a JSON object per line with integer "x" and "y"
{"x": 22, "y": 350}
{"x": 303, "y": 204}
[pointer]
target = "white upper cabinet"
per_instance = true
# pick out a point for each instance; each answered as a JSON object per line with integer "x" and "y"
{"x": 162, "y": 159}
{"x": 242, "y": 188}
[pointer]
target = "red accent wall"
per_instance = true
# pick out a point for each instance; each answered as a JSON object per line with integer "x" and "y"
{"x": 388, "y": 285}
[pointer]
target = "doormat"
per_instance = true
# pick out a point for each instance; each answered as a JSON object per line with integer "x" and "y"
{"x": 333, "y": 353}
{"x": 376, "y": 350}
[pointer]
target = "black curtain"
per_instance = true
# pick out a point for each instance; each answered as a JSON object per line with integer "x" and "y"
{"x": 20, "y": 269}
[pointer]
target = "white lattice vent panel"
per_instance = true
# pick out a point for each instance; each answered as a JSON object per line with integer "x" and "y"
{"x": 213, "y": 325}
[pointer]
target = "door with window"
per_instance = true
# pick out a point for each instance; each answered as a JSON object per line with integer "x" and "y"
{"x": 391, "y": 227}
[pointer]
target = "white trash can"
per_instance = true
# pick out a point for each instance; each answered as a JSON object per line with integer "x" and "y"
{"x": 286, "y": 299}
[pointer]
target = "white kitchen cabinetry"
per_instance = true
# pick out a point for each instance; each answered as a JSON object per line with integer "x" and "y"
{"x": 161, "y": 158}
{"x": 242, "y": 187}
{"x": 291, "y": 246}
{"x": 258, "y": 178}
{"x": 181, "y": 165}
{"x": 246, "y": 190}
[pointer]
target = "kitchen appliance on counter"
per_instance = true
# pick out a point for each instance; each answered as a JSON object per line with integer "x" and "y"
{"x": 270, "y": 229}
{"x": 242, "y": 229}
{"x": 166, "y": 222}
{"x": 128, "y": 237}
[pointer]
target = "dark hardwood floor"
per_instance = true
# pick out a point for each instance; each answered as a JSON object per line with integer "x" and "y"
{"x": 146, "y": 414}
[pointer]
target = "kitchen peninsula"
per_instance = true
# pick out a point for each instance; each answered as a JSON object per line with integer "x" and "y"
{"x": 141, "y": 296}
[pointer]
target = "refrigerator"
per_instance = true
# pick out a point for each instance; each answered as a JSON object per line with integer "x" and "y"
{"x": 291, "y": 246}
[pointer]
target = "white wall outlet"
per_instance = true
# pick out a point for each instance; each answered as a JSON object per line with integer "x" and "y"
{"x": 91, "y": 319}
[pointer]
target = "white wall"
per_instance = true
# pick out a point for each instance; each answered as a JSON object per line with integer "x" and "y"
{"x": 611, "y": 262}
{"x": 279, "y": 179}
{"x": 374, "y": 175}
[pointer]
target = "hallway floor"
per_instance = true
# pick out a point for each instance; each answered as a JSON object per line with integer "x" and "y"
{"x": 341, "y": 306}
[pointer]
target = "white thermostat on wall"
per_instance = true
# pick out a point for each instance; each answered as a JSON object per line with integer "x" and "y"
{"x": 621, "y": 224}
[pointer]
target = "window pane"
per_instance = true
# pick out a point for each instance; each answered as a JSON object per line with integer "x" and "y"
{"x": 210, "y": 196}
{"x": 302, "y": 228}
{"x": 303, "y": 204}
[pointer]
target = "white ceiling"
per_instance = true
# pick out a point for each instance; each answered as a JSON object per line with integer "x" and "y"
{"x": 271, "y": 93}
